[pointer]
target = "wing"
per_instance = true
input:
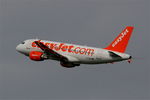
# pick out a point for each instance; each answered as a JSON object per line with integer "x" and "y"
{"x": 66, "y": 61}
{"x": 49, "y": 51}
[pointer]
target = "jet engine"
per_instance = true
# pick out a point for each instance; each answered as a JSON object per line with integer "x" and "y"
{"x": 36, "y": 56}
{"x": 68, "y": 64}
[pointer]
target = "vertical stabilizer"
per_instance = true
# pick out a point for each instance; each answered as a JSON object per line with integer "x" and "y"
{"x": 121, "y": 41}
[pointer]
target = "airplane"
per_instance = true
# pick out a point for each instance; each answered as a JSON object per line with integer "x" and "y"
{"x": 71, "y": 55}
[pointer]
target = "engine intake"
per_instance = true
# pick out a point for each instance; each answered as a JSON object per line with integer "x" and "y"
{"x": 36, "y": 56}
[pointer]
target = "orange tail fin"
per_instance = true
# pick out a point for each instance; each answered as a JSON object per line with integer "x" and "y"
{"x": 121, "y": 41}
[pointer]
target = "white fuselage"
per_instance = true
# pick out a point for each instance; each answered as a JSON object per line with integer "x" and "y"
{"x": 75, "y": 53}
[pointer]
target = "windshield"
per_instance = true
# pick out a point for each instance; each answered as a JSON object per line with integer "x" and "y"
{"x": 22, "y": 42}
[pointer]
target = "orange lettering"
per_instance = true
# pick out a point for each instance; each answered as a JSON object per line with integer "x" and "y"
{"x": 76, "y": 51}
{"x": 53, "y": 45}
{"x": 47, "y": 44}
{"x": 64, "y": 48}
{"x": 69, "y": 49}
{"x": 33, "y": 44}
{"x": 58, "y": 48}
{"x": 90, "y": 51}
{"x": 82, "y": 50}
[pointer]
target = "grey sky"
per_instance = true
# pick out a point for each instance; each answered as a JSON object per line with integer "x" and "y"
{"x": 87, "y": 22}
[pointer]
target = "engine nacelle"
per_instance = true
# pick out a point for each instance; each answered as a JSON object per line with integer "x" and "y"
{"x": 68, "y": 64}
{"x": 36, "y": 56}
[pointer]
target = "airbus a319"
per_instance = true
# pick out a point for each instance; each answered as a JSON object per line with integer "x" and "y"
{"x": 71, "y": 55}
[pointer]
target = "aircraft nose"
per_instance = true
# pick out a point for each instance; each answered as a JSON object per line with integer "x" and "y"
{"x": 22, "y": 49}
{"x": 18, "y": 48}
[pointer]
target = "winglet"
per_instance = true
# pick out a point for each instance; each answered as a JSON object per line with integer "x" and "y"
{"x": 121, "y": 41}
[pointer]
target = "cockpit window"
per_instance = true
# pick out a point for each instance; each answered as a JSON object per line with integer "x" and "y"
{"x": 23, "y": 42}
